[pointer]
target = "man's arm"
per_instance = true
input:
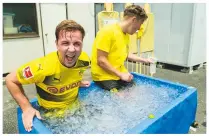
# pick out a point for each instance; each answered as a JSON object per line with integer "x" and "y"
{"x": 133, "y": 57}
{"x": 104, "y": 64}
{"x": 17, "y": 92}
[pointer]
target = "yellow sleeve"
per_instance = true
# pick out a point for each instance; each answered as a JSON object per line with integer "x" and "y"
{"x": 103, "y": 40}
{"x": 32, "y": 72}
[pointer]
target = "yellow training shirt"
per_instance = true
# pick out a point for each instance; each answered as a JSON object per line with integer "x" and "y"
{"x": 57, "y": 86}
{"x": 112, "y": 40}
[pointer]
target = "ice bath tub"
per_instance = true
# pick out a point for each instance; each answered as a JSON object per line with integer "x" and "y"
{"x": 174, "y": 118}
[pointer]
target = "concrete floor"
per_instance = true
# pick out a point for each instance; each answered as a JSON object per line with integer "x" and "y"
{"x": 197, "y": 79}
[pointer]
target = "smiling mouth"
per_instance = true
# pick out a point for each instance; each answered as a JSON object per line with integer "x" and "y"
{"x": 70, "y": 58}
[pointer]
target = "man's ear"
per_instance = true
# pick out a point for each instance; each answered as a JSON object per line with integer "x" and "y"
{"x": 134, "y": 19}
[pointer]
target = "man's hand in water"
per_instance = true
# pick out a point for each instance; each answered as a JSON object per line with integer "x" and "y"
{"x": 85, "y": 84}
{"x": 126, "y": 77}
{"x": 27, "y": 117}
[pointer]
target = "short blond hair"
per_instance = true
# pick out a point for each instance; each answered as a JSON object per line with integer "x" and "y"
{"x": 135, "y": 10}
{"x": 69, "y": 25}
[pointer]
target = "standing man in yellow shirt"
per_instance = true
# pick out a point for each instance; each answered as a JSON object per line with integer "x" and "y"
{"x": 111, "y": 49}
{"x": 57, "y": 75}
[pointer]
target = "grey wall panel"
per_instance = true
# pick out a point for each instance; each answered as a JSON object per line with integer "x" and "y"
{"x": 181, "y": 24}
{"x": 162, "y": 22}
{"x": 197, "y": 53}
{"x": 180, "y": 33}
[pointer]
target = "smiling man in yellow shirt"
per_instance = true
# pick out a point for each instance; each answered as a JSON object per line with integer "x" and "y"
{"x": 111, "y": 49}
{"x": 57, "y": 76}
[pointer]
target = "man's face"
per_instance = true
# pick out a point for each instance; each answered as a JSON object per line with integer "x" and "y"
{"x": 69, "y": 46}
{"x": 134, "y": 25}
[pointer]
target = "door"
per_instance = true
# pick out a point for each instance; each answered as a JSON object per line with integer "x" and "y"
{"x": 85, "y": 18}
{"x": 181, "y": 24}
{"x": 51, "y": 15}
{"x": 162, "y": 23}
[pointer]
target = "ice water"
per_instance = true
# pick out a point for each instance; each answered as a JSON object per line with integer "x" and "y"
{"x": 102, "y": 112}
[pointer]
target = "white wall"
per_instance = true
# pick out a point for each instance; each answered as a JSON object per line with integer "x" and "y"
{"x": 198, "y": 36}
{"x": 49, "y": 23}
{"x": 83, "y": 13}
{"x": 19, "y": 51}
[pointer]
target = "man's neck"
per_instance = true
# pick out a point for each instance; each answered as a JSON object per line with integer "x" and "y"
{"x": 123, "y": 26}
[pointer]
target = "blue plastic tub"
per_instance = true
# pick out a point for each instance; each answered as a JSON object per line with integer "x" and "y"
{"x": 175, "y": 118}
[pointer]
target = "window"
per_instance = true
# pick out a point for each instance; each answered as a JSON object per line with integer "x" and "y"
{"x": 19, "y": 20}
